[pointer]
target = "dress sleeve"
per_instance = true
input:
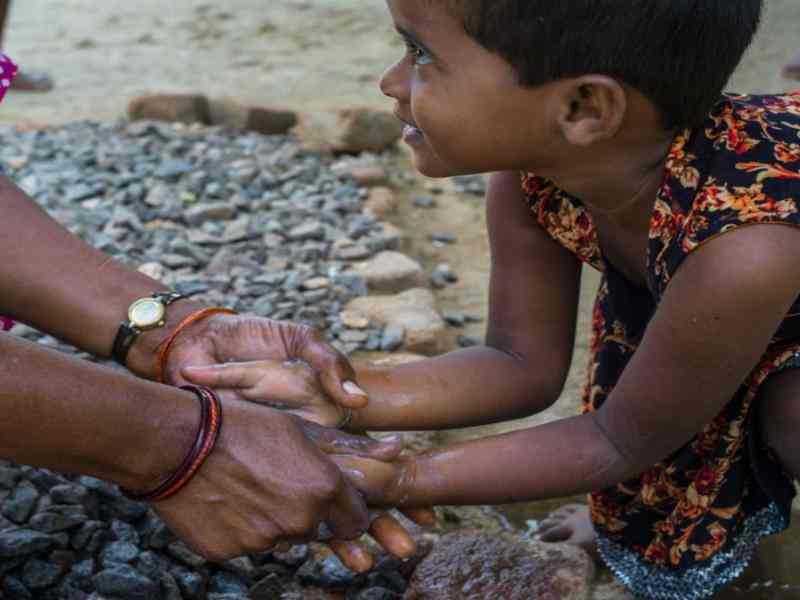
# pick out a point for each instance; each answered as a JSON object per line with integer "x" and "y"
{"x": 755, "y": 171}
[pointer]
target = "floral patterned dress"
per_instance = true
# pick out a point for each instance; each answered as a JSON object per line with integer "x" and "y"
{"x": 689, "y": 525}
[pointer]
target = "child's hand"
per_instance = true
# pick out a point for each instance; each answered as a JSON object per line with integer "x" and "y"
{"x": 386, "y": 484}
{"x": 291, "y": 386}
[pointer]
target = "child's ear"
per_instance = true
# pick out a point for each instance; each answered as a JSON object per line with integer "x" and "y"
{"x": 593, "y": 109}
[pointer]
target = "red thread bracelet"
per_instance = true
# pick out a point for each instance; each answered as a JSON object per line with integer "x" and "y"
{"x": 206, "y": 438}
{"x": 166, "y": 345}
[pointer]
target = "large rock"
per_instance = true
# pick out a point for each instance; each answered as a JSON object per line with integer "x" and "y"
{"x": 391, "y": 272}
{"x": 348, "y": 131}
{"x": 415, "y": 311}
{"x": 477, "y": 565}
{"x": 181, "y": 108}
{"x": 228, "y": 112}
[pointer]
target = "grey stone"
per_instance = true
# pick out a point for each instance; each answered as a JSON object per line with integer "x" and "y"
{"x": 9, "y": 475}
{"x": 392, "y": 338}
{"x": 375, "y": 593}
{"x": 172, "y": 169}
{"x": 227, "y": 583}
{"x": 59, "y": 517}
{"x": 179, "y": 551}
{"x": 118, "y": 553}
{"x": 124, "y": 582}
{"x": 14, "y": 588}
{"x": 38, "y": 574}
{"x": 327, "y": 572}
{"x": 84, "y": 533}
{"x": 18, "y": 542}
{"x": 424, "y": 202}
{"x": 191, "y": 584}
{"x": 68, "y": 493}
{"x": 169, "y": 587}
{"x": 443, "y": 238}
{"x": 217, "y": 211}
{"x": 19, "y": 506}
{"x": 466, "y": 341}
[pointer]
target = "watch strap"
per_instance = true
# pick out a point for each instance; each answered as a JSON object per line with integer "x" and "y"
{"x": 127, "y": 332}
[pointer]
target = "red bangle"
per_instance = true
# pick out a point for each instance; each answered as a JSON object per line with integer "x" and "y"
{"x": 166, "y": 345}
{"x": 207, "y": 434}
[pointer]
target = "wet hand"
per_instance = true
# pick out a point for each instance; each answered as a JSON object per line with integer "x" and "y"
{"x": 384, "y": 528}
{"x": 292, "y": 386}
{"x": 265, "y": 482}
{"x": 242, "y": 338}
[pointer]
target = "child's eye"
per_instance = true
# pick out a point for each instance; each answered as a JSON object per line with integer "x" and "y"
{"x": 419, "y": 55}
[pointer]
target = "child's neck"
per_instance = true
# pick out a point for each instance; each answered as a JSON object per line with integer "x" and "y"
{"x": 619, "y": 181}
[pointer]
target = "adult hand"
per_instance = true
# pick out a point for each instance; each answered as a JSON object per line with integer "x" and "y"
{"x": 371, "y": 468}
{"x": 266, "y": 481}
{"x": 229, "y": 338}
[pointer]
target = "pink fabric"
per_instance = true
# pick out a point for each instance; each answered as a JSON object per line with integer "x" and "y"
{"x": 8, "y": 70}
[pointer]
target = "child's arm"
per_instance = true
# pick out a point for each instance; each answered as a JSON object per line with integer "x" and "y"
{"x": 711, "y": 328}
{"x": 521, "y": 369}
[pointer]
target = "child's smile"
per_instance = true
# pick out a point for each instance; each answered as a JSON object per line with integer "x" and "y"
{"x": 462, "y": 105}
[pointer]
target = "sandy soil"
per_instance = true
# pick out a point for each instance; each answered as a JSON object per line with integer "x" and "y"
{"x": 303, "y": 54}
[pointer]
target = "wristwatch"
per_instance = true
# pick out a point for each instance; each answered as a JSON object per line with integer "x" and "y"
{"x": 143, "y": 315}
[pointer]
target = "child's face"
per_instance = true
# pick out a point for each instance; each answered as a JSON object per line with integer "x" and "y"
{"x": 465, "y": 110}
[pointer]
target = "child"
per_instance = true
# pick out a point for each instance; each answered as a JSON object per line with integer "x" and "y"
{"x": 634, "y": 164}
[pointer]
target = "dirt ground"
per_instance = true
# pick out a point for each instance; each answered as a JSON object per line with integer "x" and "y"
{"x": 306, "y": 55}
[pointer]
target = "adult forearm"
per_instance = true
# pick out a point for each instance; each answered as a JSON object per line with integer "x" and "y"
{"x": 475, "y": 386}
{"x": 55, "y": 282}
{"x": 74, "y": 416}
{"x": 563, "y": 458}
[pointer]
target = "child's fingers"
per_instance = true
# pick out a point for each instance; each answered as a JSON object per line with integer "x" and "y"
{"x": 352, "y": 554}
{"x": 228, "y": 375}
{"x": 335, "y": 441}
{"x": 376, "y": 480}
{"x": 390, "y": 534}
{"x": 281, "y": 384}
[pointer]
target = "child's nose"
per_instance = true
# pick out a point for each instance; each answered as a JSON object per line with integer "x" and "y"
{"x": 393, "y": 83}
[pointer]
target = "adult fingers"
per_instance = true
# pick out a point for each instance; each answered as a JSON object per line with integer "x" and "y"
{"x": 390, "y": 534}
{"x": 334, "y": 441}
{"x": 352, "y": 554}
{"x": 348, "y": 517}
{"x": 336, "y": 374}
{"x": 421, "y": 516}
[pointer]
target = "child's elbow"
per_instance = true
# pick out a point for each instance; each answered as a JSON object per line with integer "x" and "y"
{"x": 541, "y": 394}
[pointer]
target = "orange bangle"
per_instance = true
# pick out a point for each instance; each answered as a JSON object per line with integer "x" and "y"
{"x": 166, "y": 345}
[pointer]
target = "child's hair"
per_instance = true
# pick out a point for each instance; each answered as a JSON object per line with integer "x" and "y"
{"x": 679, "y": 53}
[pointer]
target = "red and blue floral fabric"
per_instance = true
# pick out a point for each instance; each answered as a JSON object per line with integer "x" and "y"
{"x": 689, "y": 525}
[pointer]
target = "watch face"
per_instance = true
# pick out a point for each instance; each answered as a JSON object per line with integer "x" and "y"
{"x": 146, "y": 312}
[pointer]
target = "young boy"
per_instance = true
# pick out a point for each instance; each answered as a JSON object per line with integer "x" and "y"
{"x": 611, "y": 145}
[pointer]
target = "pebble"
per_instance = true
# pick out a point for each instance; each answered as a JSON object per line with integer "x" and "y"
{"x": 424, "y": 202}
{"x": 233, "y": 219}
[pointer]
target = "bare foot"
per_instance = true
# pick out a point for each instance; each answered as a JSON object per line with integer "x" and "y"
{"x": 32, "y": 82}
{"x": 791, "y": 70}
{"x": 570, "y": 524}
